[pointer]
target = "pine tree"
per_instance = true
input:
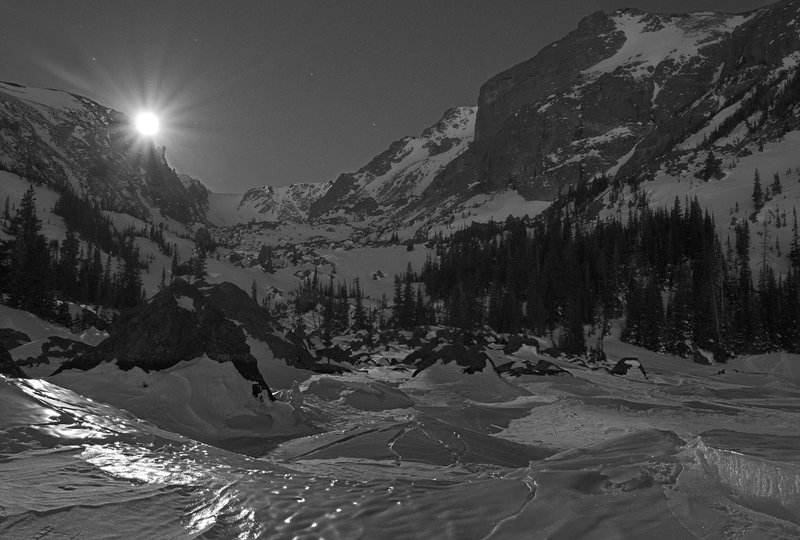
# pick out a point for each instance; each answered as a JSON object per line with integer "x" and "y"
{"x": 397, "y": 302}
{"x": 328, "y": 315}
{"x": 6, "y": 211}
{"x": 199, "y": 265}
{"x": 254, "y": 291}
{"x": 758, "y": 193}
{"x": 129, "y": 283}
{"x": 95, "y": 277}
{"x": 711, "y": 168}
{"x": 794, "y": 249}
{"x": 653, "y": 316}
{"x": 359, "y": 315}
{"x": 30, "y": 283}
{"x": 572, "y": 339}
{"x": 67, "y": 276}
{"x": 175, "y": 266}
{"x": 107, "y": 284}
{"x": 776, "y": 187}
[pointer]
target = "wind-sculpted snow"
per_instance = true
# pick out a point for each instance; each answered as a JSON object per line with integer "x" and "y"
{"x": 73, "y": 467}
{"x": 692, "y": 451}
{"x": 771, "y": 487}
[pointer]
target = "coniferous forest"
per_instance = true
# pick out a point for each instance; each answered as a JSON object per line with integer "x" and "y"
{"x": 40, "y": 274}
{"x": 663, "y": 271}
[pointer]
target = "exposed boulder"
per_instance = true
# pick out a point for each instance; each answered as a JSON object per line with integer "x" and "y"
{"x": 625, "y": 365}
{"x": 7, "y": 365}
{"x": 472, "y": 358}
{"x": 516, "y": 341}
{"x": 702, "y": 357}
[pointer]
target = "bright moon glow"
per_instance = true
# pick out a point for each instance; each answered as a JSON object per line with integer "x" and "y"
{"x": 147, "y": 123}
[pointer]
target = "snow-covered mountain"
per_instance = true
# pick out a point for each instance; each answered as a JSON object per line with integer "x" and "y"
{"x": 399, "y": 176}
{"x": 268, "y": 203}
{"x": 626, "y": 94}
{"x": 624, "y": 90}
{"x": 68, "y": 141}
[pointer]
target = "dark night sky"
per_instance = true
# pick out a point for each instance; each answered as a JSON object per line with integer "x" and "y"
{"x": 254, "y": 92}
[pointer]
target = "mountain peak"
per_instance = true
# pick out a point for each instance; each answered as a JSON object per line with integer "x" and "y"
{"x": 395, "y": 178}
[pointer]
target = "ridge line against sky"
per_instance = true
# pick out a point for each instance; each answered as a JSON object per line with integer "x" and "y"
{"x": 271, "y": 93}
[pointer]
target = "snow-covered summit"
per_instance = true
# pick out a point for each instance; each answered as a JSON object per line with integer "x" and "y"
{"x": 651, "y": 39}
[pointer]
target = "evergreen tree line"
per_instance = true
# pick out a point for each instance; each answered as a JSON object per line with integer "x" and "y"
{"x": 340, "y": 308}
{"x": 663, "y": 270}
{"x": 88, "y": 221}
{"x": 35, "y": 271}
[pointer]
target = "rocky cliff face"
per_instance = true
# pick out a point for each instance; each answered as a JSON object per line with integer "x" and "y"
{"x": 71, "y": 142}
{"x": 620, "y": 91}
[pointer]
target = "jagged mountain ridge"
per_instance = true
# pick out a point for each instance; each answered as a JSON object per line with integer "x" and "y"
{"x": 284, "y": 203}
{"x": 68, "y": 141}
{"x": 399, "y": 176}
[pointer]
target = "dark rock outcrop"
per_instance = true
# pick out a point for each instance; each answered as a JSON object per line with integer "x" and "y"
{"x": 11, "y": 339}
{"x": 56, "y": 348}
{"x": 185, "y": 321}
{"x": 516, "y": 341}
{"x": 624, "y": 365}
{"x": 471, "y": 357}
{"x": 540, "y": 368}
{"x": 7, "y": 365}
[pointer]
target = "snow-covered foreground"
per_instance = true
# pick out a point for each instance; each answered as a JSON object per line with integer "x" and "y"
{"x": 689, "y": 451}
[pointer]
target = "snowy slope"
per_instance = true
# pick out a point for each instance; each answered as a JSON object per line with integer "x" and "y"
{"x": 651, "y": 40}
{"x": 401, "y": 174}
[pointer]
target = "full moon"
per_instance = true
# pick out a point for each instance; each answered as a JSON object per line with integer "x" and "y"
{"x": 147, "y": 123}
